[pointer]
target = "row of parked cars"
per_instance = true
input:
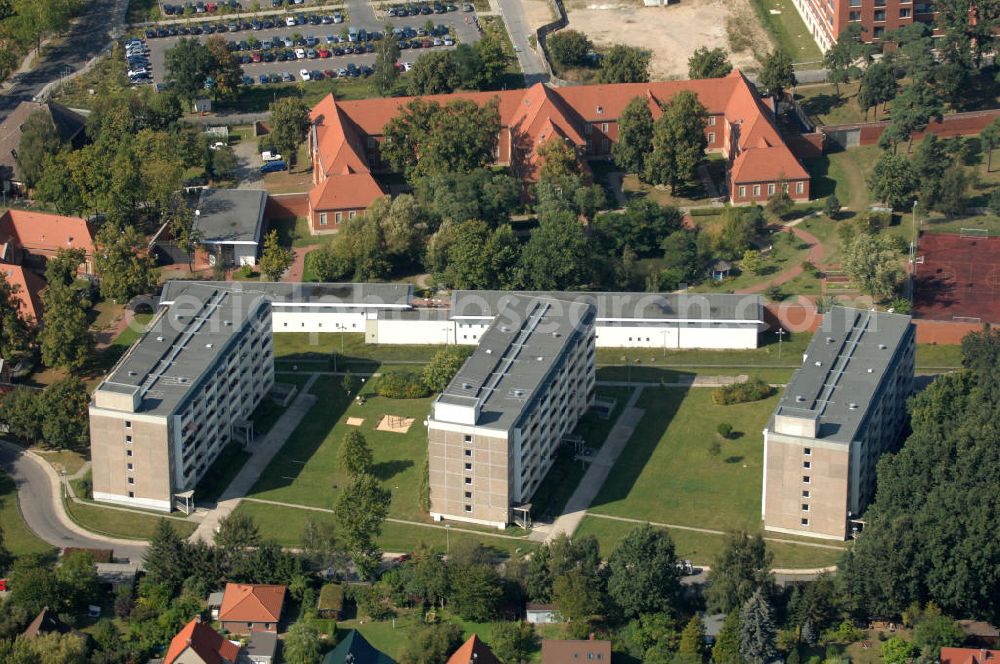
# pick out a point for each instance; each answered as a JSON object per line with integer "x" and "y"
{"x": 140, "y": 71}
{"x": 426, "y": 9}
{"x": 199, "y": 7}
{"x": 237, "y": 25}
{"x": 350, "y": 71}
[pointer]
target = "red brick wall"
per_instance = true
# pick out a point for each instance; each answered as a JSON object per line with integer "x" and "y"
{"x": 749, "y": 196}
{"x": 806, "y": 146}
{"x": 956, "y": 124}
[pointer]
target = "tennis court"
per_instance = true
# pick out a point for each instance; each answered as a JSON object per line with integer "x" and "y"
{"x": 958, "y": 277}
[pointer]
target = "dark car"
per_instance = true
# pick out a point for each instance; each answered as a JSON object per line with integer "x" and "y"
{"x": 316, "y": 75}
{"x": 248, "y": 80}
{"x": 245, "y": 59}
{"x": 273, "y": 166}
{"x": 329, "y": 73}
{"x": 268, "y": 57}
{"x": 208, "y": 29}
{"x": 268, "y": 24}
{"x": 277, "y": 78}
{"x": 264, "y": 79}
{"x": 234, "y": 27}
{"x": 150, "y": 34}
{"x": 281, "y": 57}
{"x": 221, "y": 27}
{"x": 196, "y": 30}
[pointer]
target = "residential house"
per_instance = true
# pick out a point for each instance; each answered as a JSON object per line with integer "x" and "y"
{"x": 354, "y": 649}
{"x": 345, "y": 137}
{"x": 198, "y": 643}
{"x": 473, "y": 651}
{"x": 45, "y": 622}
{"x": 27, "y": 288}
{"x": 592, "y": 651}
{"x": 69, "y": 125}
{"x": 29, "y": 239}
{"x": 231, "y": 223}
{"x": 248, "y": 608}
{"x": 969, "y": 656}
{"x": 979, "y": 633}
{"x": 261, "y": 647}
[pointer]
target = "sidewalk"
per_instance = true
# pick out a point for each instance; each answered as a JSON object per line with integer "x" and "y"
{"x": 264, "y": 451}
{"x": 815, "y": 257}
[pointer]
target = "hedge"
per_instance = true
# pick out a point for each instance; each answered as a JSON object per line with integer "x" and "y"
{"x": 754, "y": 389}
{"x": 401, "y": 385}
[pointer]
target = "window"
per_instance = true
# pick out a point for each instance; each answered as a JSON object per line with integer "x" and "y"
{"x": 711, "y": 137}
{"x": 130, "y": 467}
{"x": 711, "y": 121}
{"x": 604, "y": 127}
{"x": 587, "y": 129}
{"x": 128, "y": 424}
{"x": 468, "y": 480}
{"x": 879, "y": 32}
{"x": 805, "y": 479}
{"x": 807, "y": 464}
{"x": 128, "y": 453}
{"x": 770, "y": 189}
{"x": 800, "y": 187}
{"x": 131, "y": 480}
{"x": 352, "y": 214}
{"x": 879, "y": 14}
{"x": 468, "y": 508}
{"x": 805, "y": 507}
{"x": 468, "y": 453}
{"x": 756, "y": 190}
{"x": 468, "y": 495}
{"x": 743, "y": 191}
{"x": 467, "y": 438}
{"x": 128, "y": 439}
{"x": 322, "y": 218}
{"x": 904, "y": 13}
{"x": 805, "y": 493}
{"x": 805, "y": 522}
{"x": 131, "y": 494}
{"x": 807, "y": 451}
{"x": 468, "y": 466}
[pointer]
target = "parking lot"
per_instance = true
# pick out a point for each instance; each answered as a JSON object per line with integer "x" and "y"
{"x": 461, "y": 25}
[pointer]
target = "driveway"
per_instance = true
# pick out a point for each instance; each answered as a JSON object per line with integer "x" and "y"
{"x": 520, "y": 32}
{"x": 38, "y": 498}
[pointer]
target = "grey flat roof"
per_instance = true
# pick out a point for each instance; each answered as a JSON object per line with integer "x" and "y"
{"x": 182, "y": 342}
{"x": 230, "y": 215}
{"x": 514, "y": 356}
{"x": 843, "y": 367}
{"x": 283, "y": 295}
{"x": 689, "y": 308}
{"x": 262, "y": 644}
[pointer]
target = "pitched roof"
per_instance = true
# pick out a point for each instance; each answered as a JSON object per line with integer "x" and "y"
{"x": 360, "y": 651}
{"x": 208, "y": 644}
{"x": 350, "y": 191}
{"x": 969, "y": 656}
{"x": 28, "y": 287}
{"x": 38, "y": 231}
{"x": 67, "y": 122}
{"x": 252, "y": 603}
{"x": 473, "y": 651}
{"x": 575, "y": 652}
{"x": 45, "y": 622}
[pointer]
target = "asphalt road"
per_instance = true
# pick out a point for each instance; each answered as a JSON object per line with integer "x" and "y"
{"x": 89, "y": 34}
{"x": 36, "y": 502}
{"x": 520, "y": 32}
{"x": 362, "y": 17}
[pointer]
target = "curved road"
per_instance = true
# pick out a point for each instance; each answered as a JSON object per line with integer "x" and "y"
{"x": 38, "y": 498}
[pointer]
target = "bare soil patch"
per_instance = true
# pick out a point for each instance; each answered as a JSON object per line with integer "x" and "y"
{"x": 671, "y": 33}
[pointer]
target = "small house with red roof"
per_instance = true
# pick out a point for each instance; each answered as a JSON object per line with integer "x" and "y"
{"x": 473, "y": 651}
{"x": 345, "y": 137}
{"x": 250, "y": 608}
{"x": 31, "y": 238}
{"x": 969, "y": 656}
{"x": 198, "y": 643}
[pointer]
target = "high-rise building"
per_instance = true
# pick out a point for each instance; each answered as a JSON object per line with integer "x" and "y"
{"x": 495, "y": 430}
{"x": 844, "y": 408}
{"x": 826, "y": 19}
{"x": 179, "y": 396}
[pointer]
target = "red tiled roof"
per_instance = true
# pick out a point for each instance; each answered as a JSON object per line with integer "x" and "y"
{"x": 46, "y": 232}
{"x": 256, "y": 603}
{"x": 204, "y": 641}
{"x": 350, "y": 191}
{"x": 969, "y": 656}
{"x": 592, "y": 651}
{"x": 28, "y": 287}
{"x": 473, "y": 651}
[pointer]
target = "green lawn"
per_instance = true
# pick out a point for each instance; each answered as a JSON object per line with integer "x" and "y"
{"x": 121, "y": 523}
{"x": 17, "y": 537}
{"x": 703, "y": 548}
{"x": 788, "y": 31}
{"x": 825, "y": 106}
{"x": 294, "y": 232}
{"x": 666, "y": 473}
{"x": 314, "y": 351}
{"x": 787, "y": 251}
{"x": 222, "y": 471}
{"x": 844, "y": 173}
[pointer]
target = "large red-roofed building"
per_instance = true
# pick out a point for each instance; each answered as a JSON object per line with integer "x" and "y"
{"x": 345, "y": 137}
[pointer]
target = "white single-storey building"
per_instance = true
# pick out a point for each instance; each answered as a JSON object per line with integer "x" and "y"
{"x": 231, "y": 222}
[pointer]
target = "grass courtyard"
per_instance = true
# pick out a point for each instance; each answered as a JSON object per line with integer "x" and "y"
{"x": 17, "y": 537}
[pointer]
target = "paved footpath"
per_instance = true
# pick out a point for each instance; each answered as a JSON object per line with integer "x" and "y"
{"x": 264, "y": 450}
{"x": 593, "y": 479}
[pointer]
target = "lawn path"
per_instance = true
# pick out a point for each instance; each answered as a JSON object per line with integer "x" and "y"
{"x": 815, "y": 257}
{"x": 263, "y": 452}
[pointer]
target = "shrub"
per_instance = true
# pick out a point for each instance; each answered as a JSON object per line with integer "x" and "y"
{"x": 809, "y": 268}
{"x": 831, "y": 207}
{"x": 401, "y": 385}
{"x": 443, "y": 366}
{"x": 714, "y": 447}
{"x": 994, "y": 203}
{"x": 774, "y": 293}
{"x": 245, "y": 272}
{"x": 725, "y": 429}
{"x": 754, "y": 389}
{"x": 900, "y": 305}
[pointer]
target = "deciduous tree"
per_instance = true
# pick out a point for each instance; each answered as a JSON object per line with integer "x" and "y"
{"x": 359, "y": 512}
{"x": 432, "y": 644}
{"x": 123, "y": 262}
{"x": 275, "y": 259}
{"x": 39, "y": 142}
{"x": 434, "y": 74}
{"x": 743, "y": 567}
{"x": 188, "y": 65}
{"x": 990, "y": 138}
{"x": 354, "y": 456}
{"x": 678, "y": 141}
{"x": 513, "y": 642}
{"x": 65, "y": 424}
{"x": 777, "y": 73}
{"x": 302, "y": 644}
{"x": 635, "y": 136}
{"x": 643, "y": 568}
{"x": 289, "y": 122}
{"x": 384, "y": 79}
{"x": 709, "y": 63}
{"x": 875, "y": 264}
{"x": 892, "y": 180}
{"x": 625, "y": 64}
{"x": 569, "y": 47}
{"x": 555, "y": 257}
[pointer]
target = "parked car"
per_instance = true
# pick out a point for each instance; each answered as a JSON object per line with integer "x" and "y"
{"x": 289, "y": 21}
{"x": 273, "y": 167}
{"x": 304, "y": 73}
{"x": 267, "y": 155}
{"x": 264, "y": 79}
{"x": 300, "y": 53}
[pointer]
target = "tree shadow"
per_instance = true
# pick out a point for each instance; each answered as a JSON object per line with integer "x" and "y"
{"x": 734, "y": 459}
{"x": 736, "y": 435}
{"x": 822, "y": 104}
{"x": 389, "y": 469}
{"x": 821, "y": 185}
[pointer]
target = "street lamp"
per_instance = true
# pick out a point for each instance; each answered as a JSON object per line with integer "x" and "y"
{"x": 781, "y": 333}
{"x": 447, "y": 535}
{"x": 913, "y": 252}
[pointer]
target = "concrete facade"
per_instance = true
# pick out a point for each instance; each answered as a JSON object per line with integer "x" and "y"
{"x": 842, "y": 410}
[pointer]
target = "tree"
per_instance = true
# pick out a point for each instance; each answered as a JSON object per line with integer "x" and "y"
{"x": 635, "y": 136}
{"x": 226, "y": 73}
{"x": 123, "y": 262}
{"x": 680, "y": 260}
{"x": 39, "y": 142}
{"x": 752, "y": 261}
{"x": 188, "y": 64}
{"x": 708, "y": 63}
{"x": 878, "y": 86}
{"x": 936, "y": 632}
{"x": 692, "y": 644}
{"x": 513, "y": 642}
{"x": 642, "y": 227}
{"x": 743, "y": 567}
{"x": 491, "y": 61}
{"x": 578, "y": 598}
{"x": 354, "y": 456}
{"x": 66, "y": 341}
{"x": 555, "y": 257}
{"x": 65, "y": 406}
{"x": 289, "y": 122}
{"x": 6, "y": 557}
{"x": 275, "y": 259}
{"x": 20, "y": 412}
{"x": 777, "y": 74}
{"x": 913, "y": 110}
{"x": 434, "y": 74}
{"x": 237, "y": 531}
{"x": 955, "y": 184}
{"x": 77, "y": 578}
{"x": 727, "y": 644}
{"x": 757, "y": 631}
{"x": 15, "y": 332}
{"x": 990, "y": 138}
{"x": 678, "y": 141}
{"x": 164, "y": 559}
{"x": 643, "y": 572}
{"x": 780, "y": 203}
{"x": 930, "y": 162}
{"x": 432, "y": 644}
{"x": 359, "y": 512}
{"x": 443, "y": 366}
{"x": 739, "y": 226}
{"x": 479, "y": 194}
{"x": 840, "y": 59}
{"x": 224, "y": 163}
{"x": 386, "y": 54}
{"x": 475, "y": 590}
{"x": 892, "y": 180}
{"x": 301, "y": 644}
{"x": 569, "y": 47}
{"x": 831, "y": 207}
{"x": 625, "y": 64}
{"x": 896, "y": 650}
{"x": 874, "y": 263}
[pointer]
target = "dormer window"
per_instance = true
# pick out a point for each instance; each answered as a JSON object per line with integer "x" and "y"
{"x": 600, "y": 110}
